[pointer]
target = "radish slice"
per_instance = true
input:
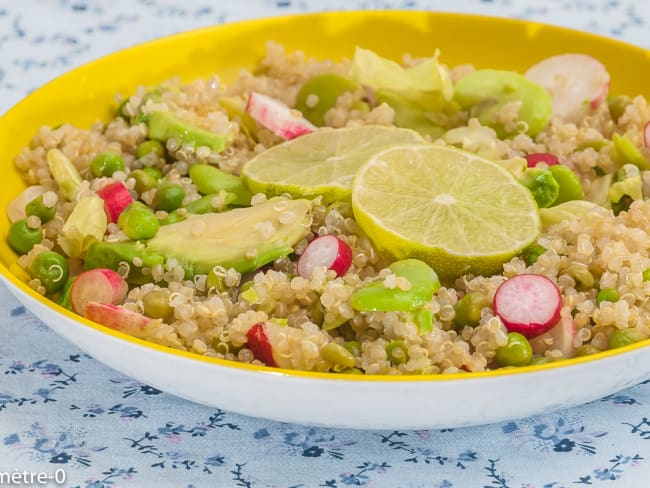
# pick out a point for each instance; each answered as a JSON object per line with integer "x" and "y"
{"x": 259, "y": 343}
{"x": 577, "y": 84}
{"x": 97, "y": 285}
{"x": 16, "y": 208}
{"x": 646, "y": 135}
{"x": 532, "y": 160}
{"x": 117, "y": 318}
{"x": 277, "y": 117}
{"x": 328, "y": 251}
{"x": 528, "y": 303}
{"x": 560, "y": 336}
{"x": 116, "y": 198}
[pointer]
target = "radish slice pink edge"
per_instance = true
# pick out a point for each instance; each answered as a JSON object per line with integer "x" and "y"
{"x": 533, "y": 159}
{"x": 97, "y": 285}
{"x": 277, "y": 117}
{"x": 529, "y": 304}
{"x": 328, "y": 251}
{"x": 258, "y": 342}
{"x": 116, "y": 198}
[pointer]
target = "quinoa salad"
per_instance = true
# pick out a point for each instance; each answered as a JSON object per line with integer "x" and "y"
{"x": 362, "y": 216}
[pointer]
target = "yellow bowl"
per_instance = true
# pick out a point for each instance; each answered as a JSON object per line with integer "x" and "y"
{"x": 86, "y": 95}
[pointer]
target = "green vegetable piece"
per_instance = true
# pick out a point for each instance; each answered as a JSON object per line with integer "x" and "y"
{"x": 210, "y": 180}
{"x": 517, "y": 352}
{"x": 64, "y": 296}
{"x": 233, "y": 238}
{"x": 169, "y": 197}
{"x": 21, "y": 238}
{"x": 582, "y": 276}
{"x": 138, "y": 221}
{"x": 156, "y": 305}
{"x": 397, "y": 352}
{"x": 570, "y": 187}
{"x": 37, "y": 207}
{"x": 485, "y": 93}
{"x": 111, "y": 254}
{"x": 617, "y": 105}
{"x": 571, "y": 210}
{"x": 468, "y": 309}
{"x": 424, "y": 320}
{"x": 351, "y": 371}
{"x": 164, "y": 126}
{"x": 106, "y": 163}
{"x": 376, "y": 297}
{"x": 542, "y": 185}
{"x": 646, "y": 274}
{"x": 51, "y": 269}
{"x": 624, "y": 337}
{"x": 626, "y": 152}
{"x": 532, "y": 253}
{"x": 411, "y": 114}
{"x": 64, "y": 173}
{"x": 235, "y": 107}
{"x": 338, "y": 355}
{"x": 145, "y": 179}
{"x": 150, "y": 147}
{"x": 142, "y": 117}
{"x": 586, "y": 350}
{"x": 326, "y": 89}
{"x": 539, "y": 360}
{"x": 607, "y": 295}
{"x": 354, "y": 347}
{"x": 201, "y": 206}
{"x": 215, "y": 281}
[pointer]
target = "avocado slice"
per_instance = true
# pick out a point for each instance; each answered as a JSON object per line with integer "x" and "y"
{"x": 165, "y": 125}
{"x": 243, "y": 238}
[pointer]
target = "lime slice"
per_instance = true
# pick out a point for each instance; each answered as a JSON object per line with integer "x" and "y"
{"x": 458, "y": 212}
{"x": 321, "y": 163}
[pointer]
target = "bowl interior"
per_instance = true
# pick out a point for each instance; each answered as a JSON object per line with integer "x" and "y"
{"x": 87, "y": 94}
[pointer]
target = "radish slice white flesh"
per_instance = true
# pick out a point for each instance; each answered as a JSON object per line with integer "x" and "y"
{"x": 328, "y": 251}
{"x": 533, "y": 159}
{"x": 560, "y": 336}
{"x": 97, "y": 285}
{"x": 16, "y": 208}
{"x": 577, "y": 83}
{"x": 528, "y": 303}
{"x": 646, "y": 135}
{"x": 116, "y": 198}
{"x": 277, "y": 117}
{"x": 117, "y": 318}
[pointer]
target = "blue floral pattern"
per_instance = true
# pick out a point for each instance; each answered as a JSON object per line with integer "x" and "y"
{"x": 60, "y": 409}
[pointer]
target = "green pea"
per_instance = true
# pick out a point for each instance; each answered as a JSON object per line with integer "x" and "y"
{"x": 646, "y": 274}
{"x": 517, "y": 352}
{"x": 156, "y": 304}
{"x": 150, "y": 147}
{"x": 624, "y": 337}
{"x": 169, "y": 197}
{"x": 327, "y": 87}
{"x": 51, "y": 269}
{"x": 570, "y": 187}
{"x": 37, "y": 207}
{"x": 106, "y": 163}
{"x": 607, "y": 295}
{"x": 145, "y": 179}
{"x": 338, "y": 355}
{"x": 138, "y": 221}
{"x": 21, "y": 238}
{"x": 542, "y": 184}
{"x": 626, "y": 152}
{"x": 532, "y": 254}
{"x": 586, "y": 350}
{"x": 581, "y": 274}
{"x": 397, "y": 352}
{"x": 376, "y": 297}
{"x": 468, "y": 309}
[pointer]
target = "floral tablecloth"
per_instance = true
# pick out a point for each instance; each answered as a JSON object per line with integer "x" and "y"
{"x": 66, "y": 419}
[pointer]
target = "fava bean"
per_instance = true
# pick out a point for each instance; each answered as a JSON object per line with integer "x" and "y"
{"x": 320, "y": 93}
{"x": 607, "y": 295}
{"x": 582, "y": 276}
{"x": 169, "y": 197}
{"x": 624, "y": 337}
{"x": 150, "y": 147}
{"x": 145, "y": 179}
{"x": 586, "y": 350}
{"x": 156, "y": 304}
{"x": 517, "y": 352}
{"x": 532, "y": 254}
{"x": 570, "y": 187}
{"x": 338, "y": 355}
{"x": 210, "y": 180}
{"x": 468, "y": 309}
